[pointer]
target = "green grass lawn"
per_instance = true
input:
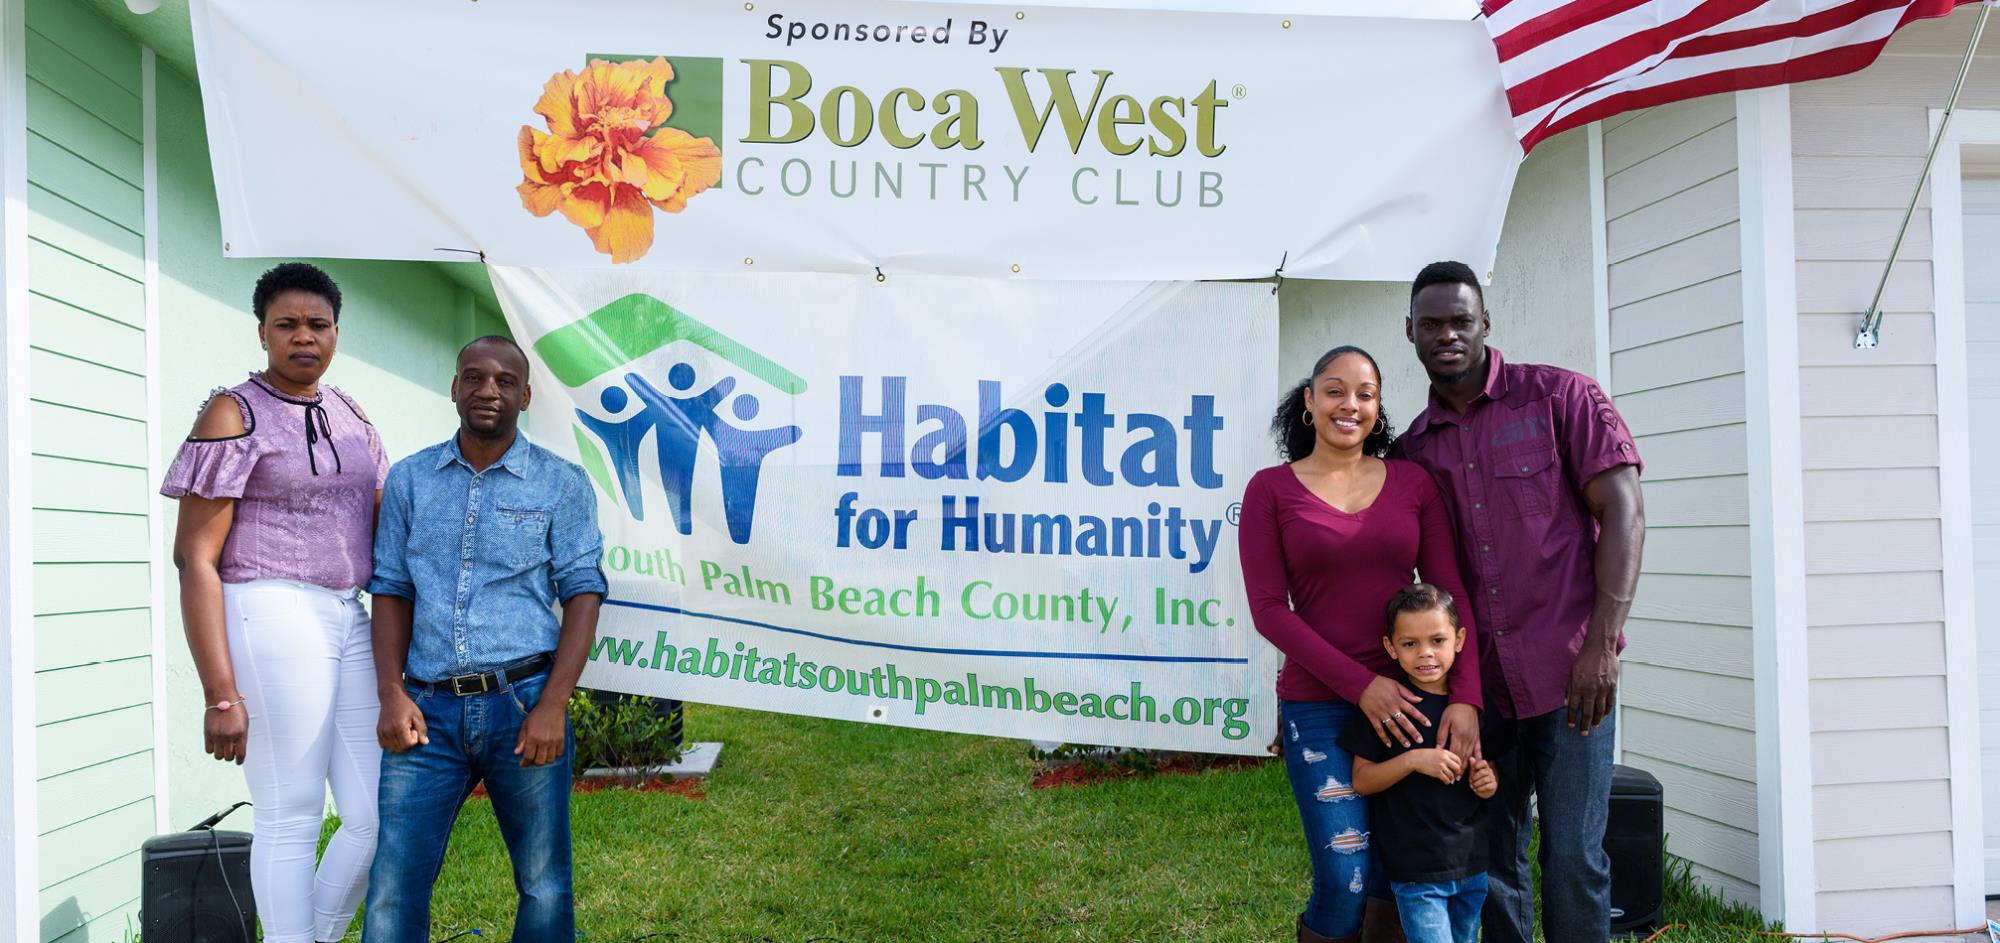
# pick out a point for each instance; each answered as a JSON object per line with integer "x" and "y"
{"x": 824, "y": 830}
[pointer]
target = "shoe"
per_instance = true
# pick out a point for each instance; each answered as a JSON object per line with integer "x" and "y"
{"x": 1380, "y": 923}
{"x": 1308, "y": 936}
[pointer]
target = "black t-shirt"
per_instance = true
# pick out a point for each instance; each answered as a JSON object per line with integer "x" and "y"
{"x": 1423, "y": 829}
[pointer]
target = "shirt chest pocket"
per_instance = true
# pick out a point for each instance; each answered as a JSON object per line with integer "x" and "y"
{"x": 1530, "y": 478}
{"x": 521, "y": 534}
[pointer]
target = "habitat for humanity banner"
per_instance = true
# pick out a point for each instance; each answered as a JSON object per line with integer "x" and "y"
{"x": 847, "y": 135}
{"x": 999, "y": 508}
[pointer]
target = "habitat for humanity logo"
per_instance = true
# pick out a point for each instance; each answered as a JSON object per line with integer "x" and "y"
{"x": 673, "y": 418}
{"x": 626, "y": 136}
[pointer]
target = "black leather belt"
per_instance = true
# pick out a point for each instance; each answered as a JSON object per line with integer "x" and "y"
{"x": 463, "y": 685}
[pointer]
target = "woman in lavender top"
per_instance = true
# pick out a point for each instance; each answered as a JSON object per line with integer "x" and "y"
{"x": 278, "y": 485}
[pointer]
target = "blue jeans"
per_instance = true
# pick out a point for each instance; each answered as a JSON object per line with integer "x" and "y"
{"x": 1344, "y": 872}
{"x": 472, "y": 740}
{"x": 1570, "y": 776}
{"x": 1440, "y": 911}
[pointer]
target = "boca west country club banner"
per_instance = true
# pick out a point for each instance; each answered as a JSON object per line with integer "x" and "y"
{"x": 968, "y": 505}
{"x": 718, "y": 135}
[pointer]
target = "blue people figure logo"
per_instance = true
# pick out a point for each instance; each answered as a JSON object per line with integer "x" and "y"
{"x": 676, "y": 419}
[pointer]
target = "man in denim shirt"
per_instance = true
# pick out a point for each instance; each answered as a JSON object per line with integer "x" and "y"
{"x": 477, "y": 539}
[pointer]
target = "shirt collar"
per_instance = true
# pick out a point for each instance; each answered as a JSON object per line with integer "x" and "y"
{"x": 1496, "y": 387}
{"x": 515, "y": 460}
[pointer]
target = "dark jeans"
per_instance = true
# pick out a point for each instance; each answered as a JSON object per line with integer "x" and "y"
{"x": 1570, "y": 777}
{"x": 1344, "y": 871}
{"x": 1440, "y": 911}
{"x": 472, "y": 740}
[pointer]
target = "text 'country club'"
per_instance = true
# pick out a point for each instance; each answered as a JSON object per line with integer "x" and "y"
{"x": 1008, "y": 446}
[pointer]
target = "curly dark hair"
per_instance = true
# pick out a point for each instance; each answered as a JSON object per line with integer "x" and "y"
{"x": 1420, "y": 597}
{"x": 1446, "y": 273}
{"x": 294, "y": 276}
{"x": 1296, "y": 439}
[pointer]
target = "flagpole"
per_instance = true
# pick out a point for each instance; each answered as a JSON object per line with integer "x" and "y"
{"x": 1871, "y": 320}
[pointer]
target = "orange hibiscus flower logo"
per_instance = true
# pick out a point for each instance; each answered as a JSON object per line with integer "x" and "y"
{"x": 608, "y": 159}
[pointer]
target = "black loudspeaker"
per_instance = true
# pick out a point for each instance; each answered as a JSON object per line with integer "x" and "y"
{"x": 1635, "y": 838}
{"x": 194, "y": 887}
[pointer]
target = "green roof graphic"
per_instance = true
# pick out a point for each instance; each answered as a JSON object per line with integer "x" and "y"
{"x": 637, "y": 325}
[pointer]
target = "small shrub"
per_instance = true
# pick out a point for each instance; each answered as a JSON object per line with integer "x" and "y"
{"x": 623, "y": 730}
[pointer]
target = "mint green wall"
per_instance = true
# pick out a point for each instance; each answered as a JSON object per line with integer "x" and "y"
{"x": 89, "y": 392}
{"x": 401, "y": 323}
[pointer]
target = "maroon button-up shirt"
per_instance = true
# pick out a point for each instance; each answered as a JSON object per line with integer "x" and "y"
{"x": 1512, "y": 469}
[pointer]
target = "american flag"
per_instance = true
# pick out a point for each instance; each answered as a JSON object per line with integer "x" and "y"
{"x": 1571, "y": 62}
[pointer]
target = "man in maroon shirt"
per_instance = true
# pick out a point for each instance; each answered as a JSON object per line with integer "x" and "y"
{"x": 1542, "y": 478}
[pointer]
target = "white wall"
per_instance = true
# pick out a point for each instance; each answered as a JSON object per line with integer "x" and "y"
{"x": 1539, "y": 297}
{"x": 1675, "y": 286}
{"x": 1876, "y": 615}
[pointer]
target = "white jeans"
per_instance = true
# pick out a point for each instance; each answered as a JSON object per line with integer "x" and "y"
{"x": 305, "y": 666}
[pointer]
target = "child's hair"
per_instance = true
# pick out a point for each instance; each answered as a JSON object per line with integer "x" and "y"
{"x": 1421, "y": 597}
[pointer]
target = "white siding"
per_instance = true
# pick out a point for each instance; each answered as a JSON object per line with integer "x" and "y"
{"x": 1674, "y": 250}
{"x": 1882, "y": 810}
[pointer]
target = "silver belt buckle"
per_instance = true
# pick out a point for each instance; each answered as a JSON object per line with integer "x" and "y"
{"x": 458, "y": 684}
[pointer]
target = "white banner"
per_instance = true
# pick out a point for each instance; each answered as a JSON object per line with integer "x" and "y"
{"x": 997, "y": 508}
{"x": 1460, "y": 10}
{"x": 849, "y": 135}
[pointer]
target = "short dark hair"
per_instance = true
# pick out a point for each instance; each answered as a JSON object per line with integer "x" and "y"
{"x": 1420, "y": 597}
{"x": 294, "y": 276}
{"x": 1446, "y": 273}
{"x": 497, "y": 339}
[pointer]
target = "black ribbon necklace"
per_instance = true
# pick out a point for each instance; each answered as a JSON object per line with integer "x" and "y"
{"x": 317, "y": 426}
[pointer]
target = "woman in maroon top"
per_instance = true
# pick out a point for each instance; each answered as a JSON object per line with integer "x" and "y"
{"x": 1326, "y": 539}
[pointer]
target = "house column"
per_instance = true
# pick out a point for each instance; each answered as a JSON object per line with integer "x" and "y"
{"x": 1777, "y": 508}
{"x": 18, "y": 879}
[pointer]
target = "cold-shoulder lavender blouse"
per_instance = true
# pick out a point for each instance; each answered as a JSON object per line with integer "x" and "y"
{"x": 304, "y": 478}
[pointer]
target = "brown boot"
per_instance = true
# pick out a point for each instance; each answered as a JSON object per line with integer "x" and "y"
{"x": 1308, "y": 936}
{"x": 1380, "y": 923}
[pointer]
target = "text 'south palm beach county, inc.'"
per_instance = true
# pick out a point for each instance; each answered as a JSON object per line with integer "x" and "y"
{"x": 980, "y": 600}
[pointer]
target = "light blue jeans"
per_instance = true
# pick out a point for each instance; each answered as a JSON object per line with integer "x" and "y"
{"x": 1344, "y": 871}
{"x": 472, "y": 740}
{"x": 1440, "y": 911}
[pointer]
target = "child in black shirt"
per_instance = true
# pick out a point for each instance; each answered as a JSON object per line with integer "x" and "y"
{"x": 1427, "y": 807}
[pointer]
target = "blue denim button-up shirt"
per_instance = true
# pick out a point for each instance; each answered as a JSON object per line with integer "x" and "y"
{"x": 484, "y": 556}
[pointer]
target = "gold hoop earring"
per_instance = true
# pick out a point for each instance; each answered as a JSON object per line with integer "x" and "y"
{"x": 1379, "y": 426}
{"x": 1306, "y": 418}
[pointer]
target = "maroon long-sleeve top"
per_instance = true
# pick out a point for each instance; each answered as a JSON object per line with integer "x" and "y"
{"x": 1319, "y": 578}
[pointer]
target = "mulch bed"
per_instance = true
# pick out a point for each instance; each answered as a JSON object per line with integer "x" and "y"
{"x": 1087, "y": 772}
{"x": 685, "y": 788}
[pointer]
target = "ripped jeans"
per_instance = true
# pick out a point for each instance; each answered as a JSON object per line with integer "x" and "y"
{"x": 1344, "y": 871}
